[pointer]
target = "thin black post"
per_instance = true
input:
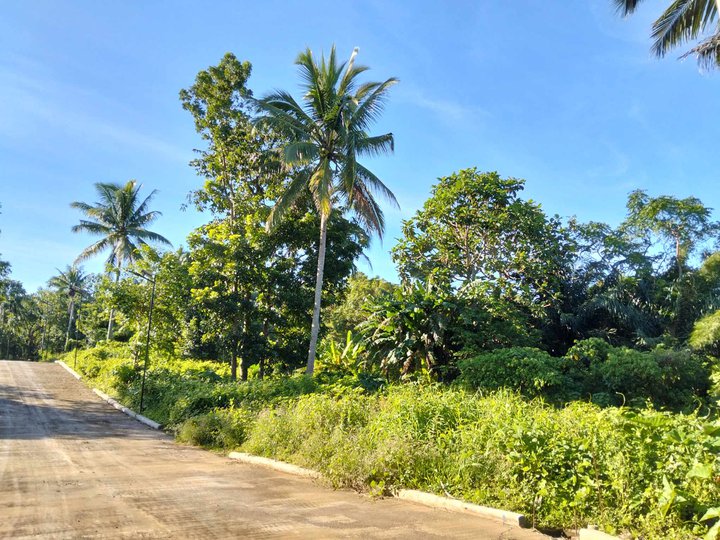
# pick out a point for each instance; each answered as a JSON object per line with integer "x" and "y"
{"x": 147, "y": 342}
{"x": 75, "y": 361}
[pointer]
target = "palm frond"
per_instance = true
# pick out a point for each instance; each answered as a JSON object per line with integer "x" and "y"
{"x": 367, "y": 209}
{"x": 299, "y": 153}
{"x": 143, "y": 234}
{"x": 91, "y": 227}
{"x": 626, "y": 7}
{"x": 287, "y": 199}
{"x": 92, "y": 250}
{"x": 119, "y": 217}
{"x": 144, "y": 219}
{"x": 143, "y": 206}
{"x": 682, "y": 21}
{"x": 321, "y": 187}
{"x": 376, "y": 145}
{"x": 376, "y": 185}
{"x": 707, "y": 52}
{"x": 371, "y": 106}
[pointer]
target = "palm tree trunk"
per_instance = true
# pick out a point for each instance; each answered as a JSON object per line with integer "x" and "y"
{"x": 70, "y": 321}
{"x": 315, "y": 329}
{"x": 112, "y": 310}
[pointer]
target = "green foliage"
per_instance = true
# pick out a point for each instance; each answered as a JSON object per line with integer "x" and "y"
{"x": 651, "y": 473}
{"x": 21, "y": 321}
{"x": 360, "y": 294}
{"x": 475, "y": 231}
{"x": 706, "y": 333}
{"x": 342, "y": 358}
{"x": 530, "y": 371}
{"x": 326, "y": 137}
{"x": 674, "y": 379}
{"x": 425, "y": 327}
{"x": 222, "y": 428}
{"x": 120, "y": 218}
{"x": 683, "y": 223}
{"x": 252, "y": 289}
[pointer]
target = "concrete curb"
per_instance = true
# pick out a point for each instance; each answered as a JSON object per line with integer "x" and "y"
{"x": 68, "y": 369}
{"x": 139, "y": 417}
{"x": 274, "y": 464}
{"x": 594, "y": 534}
{"x": 436, "y": 501}
{"x": 428, "y": 499}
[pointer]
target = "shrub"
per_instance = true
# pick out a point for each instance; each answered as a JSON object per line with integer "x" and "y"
{"x": 530, "y": 371}
{"x": 668, "y": 378}
{"x": 221, "y": 428}
{"x": 686, "y": 378}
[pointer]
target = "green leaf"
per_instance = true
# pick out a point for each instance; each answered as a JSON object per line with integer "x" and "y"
{"x": 713, "y": 533}
{"x": 700, "y": 470}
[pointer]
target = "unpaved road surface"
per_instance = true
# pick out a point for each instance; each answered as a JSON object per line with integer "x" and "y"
{"x": 71, "y": 466}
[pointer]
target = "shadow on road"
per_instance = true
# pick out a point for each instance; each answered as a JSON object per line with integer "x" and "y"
{"x": 30, "y": 414}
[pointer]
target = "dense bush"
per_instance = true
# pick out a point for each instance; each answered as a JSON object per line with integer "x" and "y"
{"x": 531, "y": 371}
{"x": 594, "y": 370}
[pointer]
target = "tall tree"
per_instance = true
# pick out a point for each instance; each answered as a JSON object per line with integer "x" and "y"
{"x": 326, "y": 136}
{"x": 683, "y": 21}
{"x": 475, "y": 234}
{"x": 241, "y": 173}
{"x": 120, "y": 217}
{"x": 684, "y": 223}
{"x": 236, "y": 164}
{"x": 71, "y": 283}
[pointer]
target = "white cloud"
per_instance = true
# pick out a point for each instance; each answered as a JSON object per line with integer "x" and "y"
{"x": 29, "y": 106}
{"x": 446, "y": 109}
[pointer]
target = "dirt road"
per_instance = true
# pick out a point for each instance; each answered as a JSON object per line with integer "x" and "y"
{"x": 73, "y": 467}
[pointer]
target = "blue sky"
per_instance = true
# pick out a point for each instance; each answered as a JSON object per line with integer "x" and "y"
{"x": 563, "y": 94}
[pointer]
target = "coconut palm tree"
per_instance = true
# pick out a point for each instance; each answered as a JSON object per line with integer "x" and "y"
{"x": 120, "y": 218}
{"x": 683, "y": 21}
{"x": 70, "y": 282}
{"x": 326, "y": 136}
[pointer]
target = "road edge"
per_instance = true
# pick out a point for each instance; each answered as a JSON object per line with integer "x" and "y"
{"x": 68, "y": 369}
{"x": 275, "y": 464}
{"x": 437, "y": 501}
{"x": 120, "y": 407}
{"x": 420, "y": 497}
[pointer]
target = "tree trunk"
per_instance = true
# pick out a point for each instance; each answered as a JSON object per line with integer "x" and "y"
{"x": 244, "y": 359}
{"x": 677, "y": 254}
{"x": 112, "y": 310}
{"x": 315, "y": 329}
{"x": 233, "y": 365}
{"x": 244, "y": 367}
{"x": 266, "y": 333}
{"x": 70, "y": 321}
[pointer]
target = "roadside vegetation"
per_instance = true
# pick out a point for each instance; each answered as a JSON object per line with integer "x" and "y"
{"x": 563, "y": 369}
{"x": 633, "y": 469}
